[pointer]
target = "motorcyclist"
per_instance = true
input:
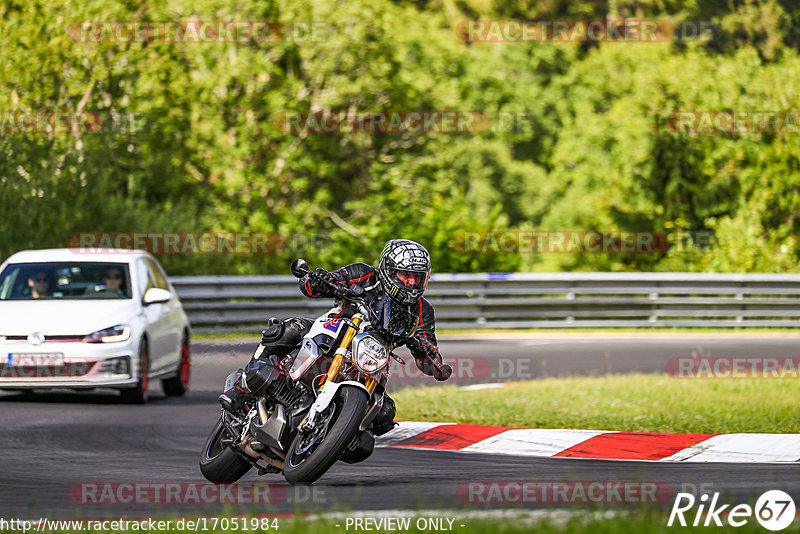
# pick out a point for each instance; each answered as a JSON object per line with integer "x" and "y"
{"x": 403, "y": 272}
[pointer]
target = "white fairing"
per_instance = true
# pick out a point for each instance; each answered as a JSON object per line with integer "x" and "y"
{"x": 309, "y": 352}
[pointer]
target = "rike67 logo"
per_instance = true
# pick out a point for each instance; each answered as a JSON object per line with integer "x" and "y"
{"x": 774, "y": 510}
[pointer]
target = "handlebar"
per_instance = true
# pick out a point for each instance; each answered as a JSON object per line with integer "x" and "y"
{"x": 355, "y": 293}
{"x": 443, "y": 371}
{"x": 300, "y": 269}
{"x": 341, "y": 291}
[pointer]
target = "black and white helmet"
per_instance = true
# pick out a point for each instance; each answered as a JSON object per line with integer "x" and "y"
{"x": 404, "y": 269}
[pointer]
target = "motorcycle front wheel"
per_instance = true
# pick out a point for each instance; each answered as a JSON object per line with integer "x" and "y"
{"x": 219, "y": 464}
{"x": 313, "y": 453}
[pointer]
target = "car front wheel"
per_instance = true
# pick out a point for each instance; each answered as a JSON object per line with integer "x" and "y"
{"x": 138, "y": 393}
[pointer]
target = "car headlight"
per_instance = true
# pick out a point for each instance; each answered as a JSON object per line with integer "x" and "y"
{"x": 120, "y": 332}
{"x": 370, "y": 354}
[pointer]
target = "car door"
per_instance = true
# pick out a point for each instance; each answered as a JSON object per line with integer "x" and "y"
{"x": 172, "y": 311}
{"x": 157, "y": 319}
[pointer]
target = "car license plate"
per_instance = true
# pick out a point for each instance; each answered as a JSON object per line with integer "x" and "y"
{"x": 48, "y": 359}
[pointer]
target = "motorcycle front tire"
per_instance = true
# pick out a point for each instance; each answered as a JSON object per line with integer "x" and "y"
{"x": 353, "y": 407}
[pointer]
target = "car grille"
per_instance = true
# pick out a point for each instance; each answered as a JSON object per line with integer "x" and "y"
{"x": 68, "y": 370}
{"x": 60, "y": 339}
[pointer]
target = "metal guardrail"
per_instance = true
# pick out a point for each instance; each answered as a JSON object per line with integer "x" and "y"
{"x": 524, "y": 300}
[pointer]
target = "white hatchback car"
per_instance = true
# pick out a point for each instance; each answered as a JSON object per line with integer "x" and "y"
{"x": 74, "y": 319}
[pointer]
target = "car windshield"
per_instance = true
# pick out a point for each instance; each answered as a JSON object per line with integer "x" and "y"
{"x": 65, "y": 281}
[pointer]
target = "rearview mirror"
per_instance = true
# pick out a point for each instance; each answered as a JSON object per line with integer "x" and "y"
{"x": 155, "y": 295}
{"x": 299, "y": 268}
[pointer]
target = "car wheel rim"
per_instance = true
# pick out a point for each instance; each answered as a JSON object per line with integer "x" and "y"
{"x": 185, "y": 365}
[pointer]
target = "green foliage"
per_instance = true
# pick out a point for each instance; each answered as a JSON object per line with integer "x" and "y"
{"x": 195, "y": 143}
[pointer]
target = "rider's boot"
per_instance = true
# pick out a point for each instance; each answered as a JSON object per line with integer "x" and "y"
{"x": 234, "y": 397}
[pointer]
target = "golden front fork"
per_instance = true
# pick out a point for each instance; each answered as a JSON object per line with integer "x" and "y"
{"x": 336, "y": 365}
{"x": 371, "y": 384}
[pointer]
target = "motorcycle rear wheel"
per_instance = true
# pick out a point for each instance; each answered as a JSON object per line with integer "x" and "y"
{"x": 303, "y": 467}
{"x": 219, "y": 464}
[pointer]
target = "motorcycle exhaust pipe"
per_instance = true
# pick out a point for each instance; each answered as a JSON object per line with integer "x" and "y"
{"x": 248, "y": 450}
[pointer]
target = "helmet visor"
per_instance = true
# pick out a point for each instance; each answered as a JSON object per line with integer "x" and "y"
{"x": 415, "y": 280}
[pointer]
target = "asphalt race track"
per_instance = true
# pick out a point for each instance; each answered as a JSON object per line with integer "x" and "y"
{"x": 56, "y": 448}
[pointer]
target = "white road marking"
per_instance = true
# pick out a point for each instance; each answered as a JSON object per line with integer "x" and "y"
{"x": 532, "y": 441}
{"x": 475, "y": 387}
{"x": 742, "y": 448}
{"x": 405, "y": 430}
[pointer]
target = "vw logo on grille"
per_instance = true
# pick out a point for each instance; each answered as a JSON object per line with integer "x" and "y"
{"x": 37, "y": 338}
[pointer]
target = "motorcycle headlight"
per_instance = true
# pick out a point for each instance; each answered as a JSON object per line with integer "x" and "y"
{"x": 120, "y": 332}
{"x": 370, "y": 354}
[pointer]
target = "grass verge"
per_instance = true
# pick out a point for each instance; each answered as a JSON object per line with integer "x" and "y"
{"x": 508, "y": 522}
{"x": 552, "y": 523}
{"x": 255, "y": 333}
{"x": 632, "y": 403}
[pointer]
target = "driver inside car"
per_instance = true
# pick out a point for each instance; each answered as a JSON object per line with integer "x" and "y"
{"x": 113, "y": 277}
{"x": 403, "y": 271}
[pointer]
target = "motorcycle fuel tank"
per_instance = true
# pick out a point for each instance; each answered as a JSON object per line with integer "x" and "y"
{"x": 322, "y": 335}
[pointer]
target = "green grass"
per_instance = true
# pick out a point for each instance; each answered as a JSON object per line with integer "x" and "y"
{"x": 255, "y": 332}
{"x": 588, "y": 523}
{"x": 635, "y": 402}
{"x": 504, "y": 523}
{"x": 658, "y": 330}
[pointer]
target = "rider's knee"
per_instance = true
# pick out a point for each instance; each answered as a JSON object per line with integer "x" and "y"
{"x": 281, "y": 337}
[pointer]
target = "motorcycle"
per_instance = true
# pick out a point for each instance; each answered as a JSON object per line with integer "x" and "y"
{"x": 315, "y": 406}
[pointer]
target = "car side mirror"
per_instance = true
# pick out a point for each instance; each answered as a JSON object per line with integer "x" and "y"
{"x": 155, "y": 295}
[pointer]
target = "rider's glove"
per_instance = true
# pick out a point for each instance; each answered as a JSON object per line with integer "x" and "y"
{"x": 426, "y": 366}
{"x": 322, "y": 280}
{"x": 425, "y": 354}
